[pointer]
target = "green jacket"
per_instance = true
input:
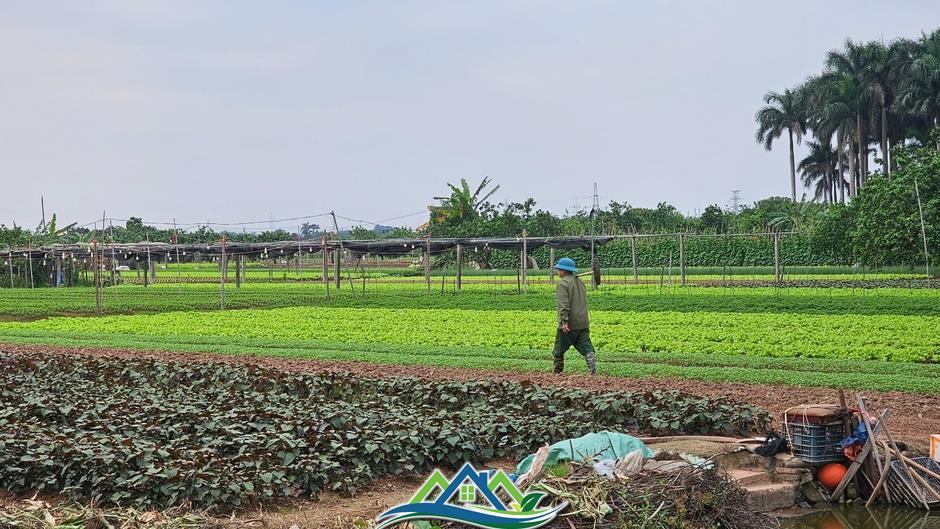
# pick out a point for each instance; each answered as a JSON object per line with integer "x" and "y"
{"x": 571, "y": 297}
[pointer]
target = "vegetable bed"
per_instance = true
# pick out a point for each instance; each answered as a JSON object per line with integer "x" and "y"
{"x": 154, "y": 433}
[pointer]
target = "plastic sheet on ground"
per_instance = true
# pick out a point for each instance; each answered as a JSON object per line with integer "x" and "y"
{"x": 595, "y": 445}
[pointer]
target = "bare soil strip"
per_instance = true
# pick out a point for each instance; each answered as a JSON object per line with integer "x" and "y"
{"x": 914, "y": 416}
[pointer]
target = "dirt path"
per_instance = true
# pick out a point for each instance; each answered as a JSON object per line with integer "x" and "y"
{"x": 914, "y": 416}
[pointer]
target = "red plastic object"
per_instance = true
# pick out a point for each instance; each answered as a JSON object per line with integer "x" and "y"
{"x": 831, "y": 475}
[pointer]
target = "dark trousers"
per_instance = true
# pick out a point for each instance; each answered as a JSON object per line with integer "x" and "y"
{"x": 580, "y": 339}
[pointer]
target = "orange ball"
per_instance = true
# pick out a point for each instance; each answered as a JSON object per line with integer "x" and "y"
{"x": 831, "y": 475}
{"x": 830, "y": 522}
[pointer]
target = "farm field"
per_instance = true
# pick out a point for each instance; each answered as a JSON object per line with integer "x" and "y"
{"x": 43, "y": 302}
{"x": 295, "y": 433}
{"x": 877, "y": 339}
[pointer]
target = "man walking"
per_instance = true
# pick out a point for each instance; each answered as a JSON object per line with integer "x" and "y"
{"x": 571, "y": 297}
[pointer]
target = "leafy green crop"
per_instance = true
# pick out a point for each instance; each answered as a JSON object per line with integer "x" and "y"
{"x": 870, "y": 337}
{"x": 498, "y": 292}
{"x": 154, "y": 434}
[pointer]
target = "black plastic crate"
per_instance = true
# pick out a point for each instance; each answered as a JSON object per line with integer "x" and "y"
{"x": 816, "y": 443}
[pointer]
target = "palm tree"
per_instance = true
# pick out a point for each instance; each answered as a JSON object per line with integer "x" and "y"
{"x": 852, "y": 64}
{"x": 830, "y": 113}
{"x": 308, "y": 230}
{"x": 818, "y": 168}
{"x": 919, "y": 80}
{"x": 782, "y": 112}
{"x": 462, "y": 203}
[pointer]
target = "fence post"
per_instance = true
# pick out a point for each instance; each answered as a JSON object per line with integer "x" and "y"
{"x": 10, "y": 267}
{"x": 682, "y": 259}
{"x": 636, "y": 276}
{"x": 224, "y": 264}
{"x": 30, "y": 252}
{"x": 551, "y": 265}
{"x": 524, "y": 261}
{"x": 96, "y": 277}
{"x": 326, "y": 262}
{"x": 777, "y": 274}
{"x": 459, "y": 265}
{"x": 337, "y": 275}
{"x": 238, "y": 270}
{"x": 427, "y": 263}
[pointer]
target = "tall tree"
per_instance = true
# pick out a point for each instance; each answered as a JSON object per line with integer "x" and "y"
{"x": 853, "y": 63}
{"x": 919, "y": 82}
{"x": 817, "y": 169}
{"x": 829, "y": 112}
{"x": 782, "y": 112}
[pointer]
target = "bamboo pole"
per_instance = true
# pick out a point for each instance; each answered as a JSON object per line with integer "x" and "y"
{"x": 907, "y": 470}
{"x": 10, "y": 267}
{"x": 872, "y": 433}
{"x": 907, "y": 463}
{"x": 923, "y": 230}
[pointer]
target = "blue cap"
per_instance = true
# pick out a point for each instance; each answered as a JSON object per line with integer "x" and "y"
{"x": 566, "y": 264}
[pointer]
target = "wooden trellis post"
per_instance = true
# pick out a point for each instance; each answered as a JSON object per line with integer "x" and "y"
{"x": 427, "y": 263}
{"x": 224, "y": 264}
{"x": 551, "y": 266}
{"x": 337, "y": 275}
{"x": 10, "y": 267}
{"x": 636, "y": 275}
{"x": 96, "y": 276}
{"x": 524, "y": 261}
{"x": 326, "y": 262}
{"x": 238, "y": 270}
{"x": 777, "y": 275}
{"x": 459, "y": 266}
{"x": 682, "y": 259}
{"x": 300, "y": 275}
{"x": 29, "y": 251}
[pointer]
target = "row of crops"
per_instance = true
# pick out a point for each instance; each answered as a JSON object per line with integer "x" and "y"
{"x": 873, "y": 337}
{"x": 152, "y": 434}
{"x": 610, "y": 297}
{"x": 752, "y": 347}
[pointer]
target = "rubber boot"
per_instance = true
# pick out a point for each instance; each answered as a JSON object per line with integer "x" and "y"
{"x": 559, "y": 362}
{"x": 591, "y": 360}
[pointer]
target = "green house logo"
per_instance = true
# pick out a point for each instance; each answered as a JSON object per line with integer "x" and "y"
{"x": 487, "y": 499}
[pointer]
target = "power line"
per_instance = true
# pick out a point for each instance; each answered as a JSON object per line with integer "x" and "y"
{"x": 379, "y": 223}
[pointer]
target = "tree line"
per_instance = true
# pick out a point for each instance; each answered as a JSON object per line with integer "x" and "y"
{"x": 867, "y": 94}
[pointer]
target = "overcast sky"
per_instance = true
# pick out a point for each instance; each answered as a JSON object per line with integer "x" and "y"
{"x": 238, "y": 111}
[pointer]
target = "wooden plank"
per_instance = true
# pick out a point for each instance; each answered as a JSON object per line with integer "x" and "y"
{"x": 873, "y": 465}
{"x": 859, "y": 460}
